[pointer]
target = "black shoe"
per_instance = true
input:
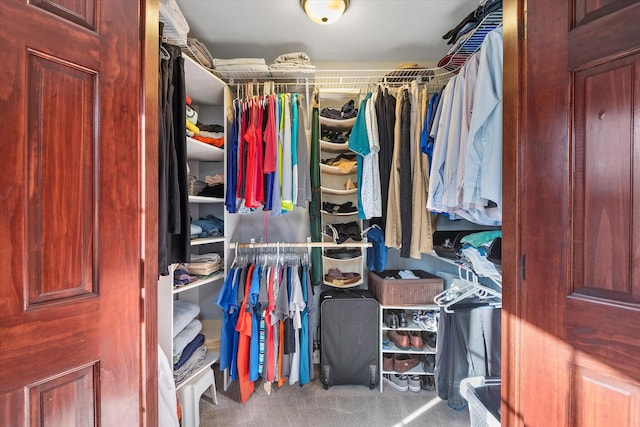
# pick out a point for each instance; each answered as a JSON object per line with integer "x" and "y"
{"x": 390, "y": 319}
{"x": 402, "y": 317}
{"x": 427, "y": 382}
{"x": 429, "y": 338}
{"x": 429, "y": 363}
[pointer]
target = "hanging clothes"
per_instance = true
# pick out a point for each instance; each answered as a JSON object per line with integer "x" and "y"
{"x": 272, "y": 333}
{"x": 316, "y": 197}
{"x": 174, "y": 229}
{"x": 267, "y": 155}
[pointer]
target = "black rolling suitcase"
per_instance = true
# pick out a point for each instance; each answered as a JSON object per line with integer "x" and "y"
{"x": 349, "y": 337}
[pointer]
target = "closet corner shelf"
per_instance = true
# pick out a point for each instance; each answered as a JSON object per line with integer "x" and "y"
{"x": 209, "y": 359}
{"x": 206, "y": 240}
{"x": 205, "y": 199}
{"x": 336, "y": 191}
{"x": 334, "y": 147}
{"x": 200, "y": 282}
{"x": 202, "y": 86}
{"x": 339, "y": 213}
{"x": 197, "y": 150}
{"x": 334, "y": 170}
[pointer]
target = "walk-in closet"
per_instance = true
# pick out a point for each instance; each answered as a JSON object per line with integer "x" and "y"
{"x": 358, "y": 214}
{"x": 320, "y": 212}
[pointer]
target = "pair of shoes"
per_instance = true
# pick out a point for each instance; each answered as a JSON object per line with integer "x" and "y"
{"x": 427, "y": 320}
{"x": 337, "y": 278}
{"x": 415, "y": 340}
{"x": 415, "y": 383}
{"x": 334, "y": 208}
{"x": 402, "y": 318}
{"x": 344, "y": 231}
{"x": 427, "y": 382}
{"x": 400, "y": 339}
{"x": 429, "y": 338}
{"x": 387, "y": 361}
{"x": 390, "y": 319}
{"x": 397, "y": 381}
{"x": 403, "y": 362}
{"x": 429, "y": 363}
{"x": 343, "y": 253}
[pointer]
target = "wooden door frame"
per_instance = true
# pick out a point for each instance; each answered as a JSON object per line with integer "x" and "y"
{"x": 514, "y": 92}
{"x": 149, "y": 33}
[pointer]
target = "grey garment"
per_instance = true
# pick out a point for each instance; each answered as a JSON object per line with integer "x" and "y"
{"x": 304, "y": 175}
{"x": 241, "y": 285}
{"x": 263, "y": 296}
{"x": 282, "y": 303}
{"x": 468, "y": 346}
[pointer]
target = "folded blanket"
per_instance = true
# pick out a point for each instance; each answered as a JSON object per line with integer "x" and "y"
{"x": 193, "y": 363}
{"x": 185, "y": 336}
{"x": 293, "y": 57}
{"x": 243, "y": 67}
{"x": 217, "y": 62}
{"x": 183, "y": 313}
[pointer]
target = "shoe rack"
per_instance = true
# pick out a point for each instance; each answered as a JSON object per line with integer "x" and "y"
{"x": 338, "y": 185}
{"x": 404, "y": 352}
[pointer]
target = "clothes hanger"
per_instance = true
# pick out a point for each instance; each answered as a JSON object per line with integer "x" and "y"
{"x": 466, "y": 287}
{"x": 164, "y": 53}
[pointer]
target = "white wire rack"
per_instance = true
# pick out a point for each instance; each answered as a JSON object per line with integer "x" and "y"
{"x": 438, "y": 76}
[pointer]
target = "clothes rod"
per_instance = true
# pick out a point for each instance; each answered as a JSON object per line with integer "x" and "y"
{"x": 301, "y": 245}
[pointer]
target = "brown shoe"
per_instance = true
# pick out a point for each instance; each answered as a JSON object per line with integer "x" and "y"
{"x": 403, "y": 362}
{"x": 387, "y": 362}
{"x": 416, "y": 340}
{"x": 399, "y": 338}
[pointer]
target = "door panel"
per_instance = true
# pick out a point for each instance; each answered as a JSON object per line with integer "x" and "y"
{"x": 71, "y": 233}
{"x": 575, "y": 322}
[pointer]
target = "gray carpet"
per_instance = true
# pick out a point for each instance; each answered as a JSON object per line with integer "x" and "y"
{"x": 339, "y": 406}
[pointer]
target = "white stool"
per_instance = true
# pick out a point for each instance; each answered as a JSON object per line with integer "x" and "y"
{"x": 190, "y": 394}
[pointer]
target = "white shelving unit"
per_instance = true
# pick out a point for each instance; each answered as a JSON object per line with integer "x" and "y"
{"x": 408, "y": 309}
{"x": 210, "y": 97}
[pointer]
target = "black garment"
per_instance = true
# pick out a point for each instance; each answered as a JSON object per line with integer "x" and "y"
{"x": 406, "y": 179}
{"x": 386, "y": 117}
{"x": 173, "y": 199}
{"x": 468, "y": 346}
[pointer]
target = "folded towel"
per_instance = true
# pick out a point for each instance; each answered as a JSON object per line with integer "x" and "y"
{"x": 291, "y": 66}
{"x": 217, "y": 62}
{"x": 194, "y": 362}
{"x": 243, "y": 67}
{"x": 183, "y": 313}
{"x": 185, "y": 337}
{"x": 293, "y": 57}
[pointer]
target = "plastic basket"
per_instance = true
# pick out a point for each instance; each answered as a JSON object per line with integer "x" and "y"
{"x": 478, "y": 412}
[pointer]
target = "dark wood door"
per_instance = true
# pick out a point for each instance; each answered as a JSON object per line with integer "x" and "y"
{"x": 71, "y": 305}
{"x": 572, "y": 233}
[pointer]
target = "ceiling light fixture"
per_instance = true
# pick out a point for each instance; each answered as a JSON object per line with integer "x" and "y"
{"x": 324, "y": 12}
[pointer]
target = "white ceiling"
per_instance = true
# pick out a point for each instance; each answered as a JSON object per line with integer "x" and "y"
{"x": 372, "y": 32}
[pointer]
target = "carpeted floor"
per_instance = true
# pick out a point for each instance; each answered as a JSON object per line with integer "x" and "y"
{"x": 339, "y": 406}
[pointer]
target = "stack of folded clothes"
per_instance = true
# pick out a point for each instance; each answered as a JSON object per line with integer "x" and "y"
{"x": 182, "y": 276}
{"x": 295, "y": 61}
{"x": 188, "y": 341}
{"x": 212, "y": 134}
{"x": 204, "y": 264}
{"x": 214, "y": 186}
{"x": 210, "y": 226}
